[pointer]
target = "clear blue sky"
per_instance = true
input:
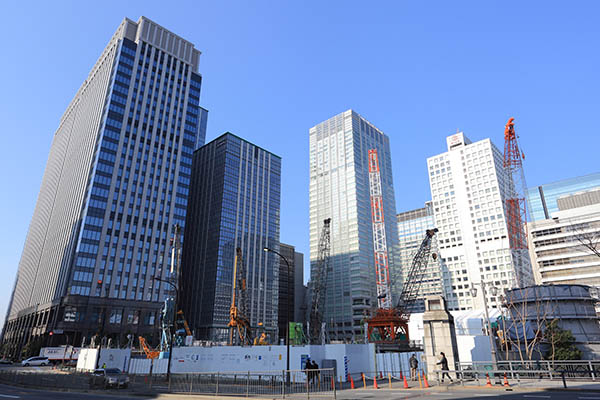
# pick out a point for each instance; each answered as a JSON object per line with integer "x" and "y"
{"x": 417, "y": 70}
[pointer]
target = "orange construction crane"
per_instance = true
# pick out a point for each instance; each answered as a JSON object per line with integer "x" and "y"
{"x": 238, "y": 314}
{"x": 151, "y": 354}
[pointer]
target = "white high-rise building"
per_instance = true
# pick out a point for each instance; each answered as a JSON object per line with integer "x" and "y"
{"x": 467, "y": 187}
{"x": 339, "y": 189}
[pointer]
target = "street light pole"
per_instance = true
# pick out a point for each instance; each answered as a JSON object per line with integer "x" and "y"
{"x": 487, "y": 317}
{"x": 172, "y": 322}
{"x": 175, "y": 261}
{"x": 287, "y": 327}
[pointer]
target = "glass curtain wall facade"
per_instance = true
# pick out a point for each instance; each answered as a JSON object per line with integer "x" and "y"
{"x": 543, "y": 198}
{"x": 412, "y": 226}
{"x": 339, "y": 189}
{"x": 116, "y": 182}
{"x": 234, "y": 202}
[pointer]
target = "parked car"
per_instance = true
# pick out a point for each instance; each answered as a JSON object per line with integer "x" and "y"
{"x": 5, "y": 361}
{"x": 31, "y": 361}
{"x": 109, "y": 377}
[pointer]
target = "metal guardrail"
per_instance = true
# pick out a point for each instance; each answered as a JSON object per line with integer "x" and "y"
{"x": 274, "y": 384}
{"x": 581, "y": 369}
{"x": 518, "y": 377}
{"x": 278, "y": 384}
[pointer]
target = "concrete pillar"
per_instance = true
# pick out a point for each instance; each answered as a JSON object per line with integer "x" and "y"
{"x": 440, "y": 336}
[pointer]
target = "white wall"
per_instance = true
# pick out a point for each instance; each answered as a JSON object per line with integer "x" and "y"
{"x": 87, "y": 360}
{"x": 350, "y": 358}
{"x": 141, "y": 366}
{"x": 115, "y": 358}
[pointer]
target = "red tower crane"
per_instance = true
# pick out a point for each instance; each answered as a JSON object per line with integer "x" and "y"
{"x": 382, "y": 272}
{"x": 515, "y": 199}
{"x": 391, "y": 323}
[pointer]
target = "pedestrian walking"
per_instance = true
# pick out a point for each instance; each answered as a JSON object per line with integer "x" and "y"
{"x": 414, "y": 364}
{"x": 317, "y": 372}
{"x": 444, "y": 365}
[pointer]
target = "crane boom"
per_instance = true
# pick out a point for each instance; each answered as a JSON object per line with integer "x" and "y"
{"x": 382, "y": 273}
{"x": 238, "y": 312}
{"x": 319, "y": 280}
{"x": 391, "y": 324}
{"x": 412, "y": 284}
{"x": 515, "y": 204}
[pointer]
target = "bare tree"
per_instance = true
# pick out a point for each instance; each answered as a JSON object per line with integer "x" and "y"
{"x": 588, "y": 237}
{"x": 528, "y": 314}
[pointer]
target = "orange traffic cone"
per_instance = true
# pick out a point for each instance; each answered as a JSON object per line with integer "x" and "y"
{"x": 375, "y": 382}
{"x": 425, "y": 380}
{"x": 488, "y": 382}
{"x": 506, "y": 384}
{"x": 332, "y": 383}
{"x": 405, "y": 383}
{"x": 351, "y": 383}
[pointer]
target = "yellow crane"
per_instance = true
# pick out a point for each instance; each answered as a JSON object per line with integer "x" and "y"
{"x": 238, "y": 312}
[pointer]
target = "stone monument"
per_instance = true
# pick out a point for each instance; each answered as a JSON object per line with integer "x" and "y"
{"x": 439, "y": 336}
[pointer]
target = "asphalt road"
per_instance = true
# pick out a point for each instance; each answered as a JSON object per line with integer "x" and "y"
{"x": 12, "y": 392}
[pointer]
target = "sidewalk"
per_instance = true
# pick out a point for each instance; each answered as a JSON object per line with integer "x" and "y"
{"x": 529, "y": 385}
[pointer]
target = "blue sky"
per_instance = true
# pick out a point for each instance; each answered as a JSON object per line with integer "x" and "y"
{"x": 418, "y": 70}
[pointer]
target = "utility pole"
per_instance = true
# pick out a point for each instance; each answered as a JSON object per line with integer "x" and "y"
{"x": 175, "y": 269}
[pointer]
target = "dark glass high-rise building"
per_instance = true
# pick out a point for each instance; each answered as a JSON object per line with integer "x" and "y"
{"x": 234, "y": 202}
{"x": 115, "y": 184}
{"x": 291, "y": 287}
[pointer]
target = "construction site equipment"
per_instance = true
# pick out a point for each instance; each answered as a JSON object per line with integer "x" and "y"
{"x": 382, "y": 273}
{"x": 182, "y": 329}
{"x": 515, "y": 205}
{"x": 515, "y": 188}
{"x": 391, "y": 323}
{"x": 262, "y": 340}
{"x": 318, "y": 280}
{"x": 238, "y": 312}
{"x": 151, "y": 354}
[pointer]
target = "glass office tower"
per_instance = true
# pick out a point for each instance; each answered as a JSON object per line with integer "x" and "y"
{"x": 542, "y": 199}
{"x": 234, "y": 202}
{"x": 115, "y": 184}
{"x": 339, "y": 189}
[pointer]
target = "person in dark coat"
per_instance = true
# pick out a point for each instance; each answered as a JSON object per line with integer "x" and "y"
{"x": 443, "y": 363}
{"x": 414, "y": 364}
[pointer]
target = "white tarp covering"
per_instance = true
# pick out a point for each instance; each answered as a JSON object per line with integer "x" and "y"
{"x": 115, "y": 358}
{"x": 87, "y": 360}
{"x": 473, "y": 344}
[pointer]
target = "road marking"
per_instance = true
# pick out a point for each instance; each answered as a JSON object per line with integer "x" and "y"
{"x": 8, "y": 396}
{"x": 536, "y": 396}
{"x": 589, "y": 398}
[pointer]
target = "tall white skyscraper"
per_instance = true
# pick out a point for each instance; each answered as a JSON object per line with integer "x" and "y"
{"x": 467, "y": 187}
{"x": 339, "y": 189}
